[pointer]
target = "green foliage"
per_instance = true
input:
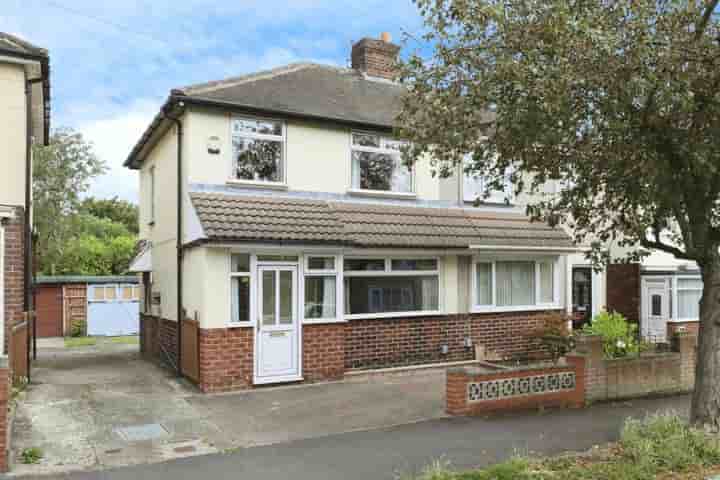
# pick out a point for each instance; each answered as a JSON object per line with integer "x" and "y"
{"x": 31, "y": 455}
{"x": 112, "y": 210}
{"x": 78, "y": 328}
{"x": 78, "y": 342}
{"x": 555, "y": 336}
{"x": 657, "y": 445}
{"x": 620, "y": 337}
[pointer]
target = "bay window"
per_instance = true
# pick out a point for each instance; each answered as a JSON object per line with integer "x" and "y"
{"x": 377, "y": 164}
{"x": 689, "y": 293}
{"x": 391, "y": 286}
{"x": 258, "y": 150}
{"x": 514, "y": 284}
{"x": 321, "y": 288}
{"x": 240, "y": 288}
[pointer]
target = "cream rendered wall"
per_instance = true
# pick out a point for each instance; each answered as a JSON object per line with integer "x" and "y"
{"x": 317, "y": 155}
{"x": 162, "y": 233}
{"x": 12, "y": 134}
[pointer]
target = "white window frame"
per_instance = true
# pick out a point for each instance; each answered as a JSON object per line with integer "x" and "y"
{"x": 258, "y": 136}
{"x": 339, "y": 287}
{"x": 494, "y": 198}
{"x": 674, "y": 315}
{"x": 555, "y": 304}
{"x": 251, "y": 275}
{"x": 388, "y": 272}
{"x": 363, "y": 191}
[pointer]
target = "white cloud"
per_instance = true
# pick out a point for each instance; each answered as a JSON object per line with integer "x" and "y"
{"x": 113, "y": 137}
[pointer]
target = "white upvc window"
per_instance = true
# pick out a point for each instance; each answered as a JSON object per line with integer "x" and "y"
{"x": 377, "y": 166}
{"x": 322, "y": 289}
{"x": 515, "y": 285}
{"x": 689, "y": 292}
{"x": 378, "y": 287}
{"x": 258, "y": 150}
{"x": 476, "y": 186}
{"x": 240, "y": 288}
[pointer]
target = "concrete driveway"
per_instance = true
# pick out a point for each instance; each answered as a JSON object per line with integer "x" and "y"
{"x": 103, "y": 406}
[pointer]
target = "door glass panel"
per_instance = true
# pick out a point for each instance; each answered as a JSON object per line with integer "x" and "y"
{"x": 656, "y": 305}
{"x": 111, "y": 293}
{"x": 268, "y": 294}
{"x": 286, "y": 296}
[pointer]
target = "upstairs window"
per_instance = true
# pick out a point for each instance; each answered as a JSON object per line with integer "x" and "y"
{"x": 258, "y": 148}
{"x": 476, "y": 186}
{"x": 377, "y": 164}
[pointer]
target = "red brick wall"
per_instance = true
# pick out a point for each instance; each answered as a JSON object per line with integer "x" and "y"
{"x": 458, "y": 403}
{"x": 676, "y": 327}
{"x": 4, "y": 417}
{"x": 623, "y": 290}
{"x": 390, "y": 342}
{"x": 226, "y": 359}
{"x": 375, "y": 57}
{"x": 158, "y": 338}
{"x": 14, "y": 264}
{"x": 323, "y": 351}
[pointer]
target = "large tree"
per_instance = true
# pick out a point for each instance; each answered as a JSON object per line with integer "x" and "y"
{"x": 115, "y": 209}
{"x": 618, "y": 101}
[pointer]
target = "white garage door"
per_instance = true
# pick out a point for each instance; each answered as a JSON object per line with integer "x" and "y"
{"x": 113, "y": 309}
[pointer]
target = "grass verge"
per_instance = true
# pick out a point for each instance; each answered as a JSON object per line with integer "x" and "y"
{"x": 126, "y": 340}
{"x": 76, "y": 342}
{"x": 661, "y": 446}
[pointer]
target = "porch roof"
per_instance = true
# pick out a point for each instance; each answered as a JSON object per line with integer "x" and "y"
{"x": 284, "y": 219}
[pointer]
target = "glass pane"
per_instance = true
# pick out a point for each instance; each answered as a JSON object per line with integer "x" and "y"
{"x": 695, "y": 283}
{"x": 277, "y": 258}
{"x": 391, "y": 294}
{"x": 240, "y": 262}
{"x": 547, "y": 281}
{"x": 364, "y": 264}
{"x": 320, "y": 297}
{"x": 99, "y": 293}
{"x": 321, "y": 263}
{"x": 111, "y": 293}
{"x": 268, "y": 297}
{"x": 484, "y": 283}
{"x": 688, "y": 304}
{"x": 380, "y": 171}
{"x": 136, "y": 293}
{"x": 656, "y": 305}
{"x": 259, "y": 160}
{"x": 264, "y": 127}
{"x": 126, "y": 293}
{"x": 515, "y": 283}
{"x": 395, "y": 145}
{"x": 414, "y": 264}
{"x": 366, "y": 140}
{"x": 240, "y": 299}
{"x": 582, "y": 288}
{"x": 286, "y": 297}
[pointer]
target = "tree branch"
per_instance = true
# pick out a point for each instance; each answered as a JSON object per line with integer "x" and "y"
{"x": 658, "y": 245}
{"x": 700, "y": 28}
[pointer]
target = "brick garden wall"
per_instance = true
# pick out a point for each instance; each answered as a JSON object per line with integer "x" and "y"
{"x": 158, "y": 339}
{"x": 4, "y": 415}
{"x": 623, "y": 290}
{"x": 226, "y": 359}
{"x": 679, "y": 327}
{"x": 14, "y": 265}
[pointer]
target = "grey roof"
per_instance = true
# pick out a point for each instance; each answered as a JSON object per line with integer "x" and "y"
{"x": 11, "y": 43}
{"x": 310, "y": 89}
{"x": 226, "y": 217}
{"x": 65, "y": 279}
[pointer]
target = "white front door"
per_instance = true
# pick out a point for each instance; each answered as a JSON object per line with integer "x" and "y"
{"x": 657, "y": 308}
{"x": 278, "y": 331}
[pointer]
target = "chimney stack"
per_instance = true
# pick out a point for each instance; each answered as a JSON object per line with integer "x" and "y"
{"x": 376, "y": 58}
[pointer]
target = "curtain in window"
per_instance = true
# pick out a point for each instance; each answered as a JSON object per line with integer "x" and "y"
{"x": 546, "y": 281}
{"x": 429, "y": 294}
{"x": 329, "y": 301}
{"x": 515, "y": 283}
{"x": 484, "y": 283}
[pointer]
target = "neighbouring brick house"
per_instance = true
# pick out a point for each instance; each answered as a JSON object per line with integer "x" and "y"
{"x": 279, "y": 221}
{"x": 24, "y": 116}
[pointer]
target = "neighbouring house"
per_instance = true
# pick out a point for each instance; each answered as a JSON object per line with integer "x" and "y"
{"x": 280, "y": 225}
{"x": 25, "y": 119}
{"x": 87, "y": 305}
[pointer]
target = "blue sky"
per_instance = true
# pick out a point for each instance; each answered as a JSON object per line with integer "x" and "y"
{"x": 114, "y": 61}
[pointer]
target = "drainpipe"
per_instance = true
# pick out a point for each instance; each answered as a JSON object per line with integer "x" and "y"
{"x": 179, "y": 243}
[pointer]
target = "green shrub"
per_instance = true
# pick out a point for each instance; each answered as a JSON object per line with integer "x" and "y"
{"x": 620, "y": 337}
{"x": 78, "y": 328}
{"x": 31, "y": 455}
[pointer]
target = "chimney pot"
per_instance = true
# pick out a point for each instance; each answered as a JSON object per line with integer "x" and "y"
{"x": 386, "y": 37}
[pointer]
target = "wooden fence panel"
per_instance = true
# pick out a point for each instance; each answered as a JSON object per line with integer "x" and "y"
{"x": 190, "y": 350}
{"x": 75, "y": 306}
{"x": 18, "y": 349}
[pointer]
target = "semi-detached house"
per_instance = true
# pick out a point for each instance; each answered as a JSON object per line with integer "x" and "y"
{"x": 276, "y": 214}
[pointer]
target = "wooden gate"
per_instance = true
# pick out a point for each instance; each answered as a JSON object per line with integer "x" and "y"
{"x": 191, "y": 350}
{"x": 75, "y": 308}
{"x": 49, "y": 310}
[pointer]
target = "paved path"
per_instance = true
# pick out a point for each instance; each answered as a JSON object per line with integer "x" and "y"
{"x": 387, "y": 453}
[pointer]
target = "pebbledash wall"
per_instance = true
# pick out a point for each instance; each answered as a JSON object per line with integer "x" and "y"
{"x": 330, "y": 350}
{"x": 14, "y": 266}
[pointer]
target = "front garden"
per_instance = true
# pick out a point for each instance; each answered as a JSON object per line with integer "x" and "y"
{"x": 660, "y": 447}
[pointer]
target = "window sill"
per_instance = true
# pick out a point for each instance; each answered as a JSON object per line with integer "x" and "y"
{"x": 239, "y": 325}
{"x": 259, "y": 185}
{"x": 683, "y": 320}
{"x": 381, "y": 194}
{"x": 491, "y": 203}
{"x": 371, "y": 316}
{"x": 528, "y": 308}
{"x": 322, "y": 321}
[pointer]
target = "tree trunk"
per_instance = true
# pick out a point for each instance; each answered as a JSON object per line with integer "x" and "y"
{"x": 705, "y": 409}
